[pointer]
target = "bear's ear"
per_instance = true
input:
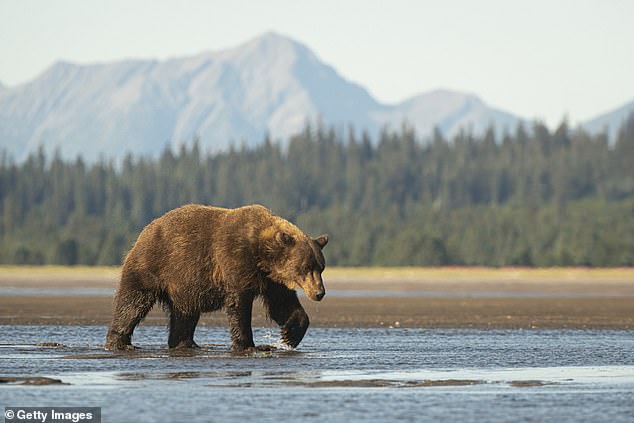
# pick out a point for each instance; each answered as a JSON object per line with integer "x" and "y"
{"x": 321, "y": 240}
{"x": 284, "y": 238}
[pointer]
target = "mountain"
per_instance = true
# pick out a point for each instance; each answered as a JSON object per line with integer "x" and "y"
{"x": 271, "y": 84}
{"x": 610, "y": 121}
{"x": 449, "y": 111}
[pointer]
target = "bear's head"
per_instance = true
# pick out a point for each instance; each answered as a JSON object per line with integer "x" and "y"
{"x": 292, "y": 258}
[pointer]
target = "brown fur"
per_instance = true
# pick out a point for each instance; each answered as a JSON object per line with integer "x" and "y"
{"x": 198, "y": 259}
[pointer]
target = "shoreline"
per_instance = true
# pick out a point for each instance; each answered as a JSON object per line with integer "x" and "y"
{"x": 504, "y": 298}
{"x": 360, "y": 312}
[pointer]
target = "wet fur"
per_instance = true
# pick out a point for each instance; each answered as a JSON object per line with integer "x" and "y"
{"x": 198, "y": 259}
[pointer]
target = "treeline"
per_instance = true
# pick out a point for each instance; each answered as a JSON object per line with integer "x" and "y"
{"x": 533, "y": 197}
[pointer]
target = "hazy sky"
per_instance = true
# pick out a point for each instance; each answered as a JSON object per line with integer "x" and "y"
{"x": 539, "y": 59}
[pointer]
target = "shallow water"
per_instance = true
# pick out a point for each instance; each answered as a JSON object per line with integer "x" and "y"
{"x": 335, "y": 375}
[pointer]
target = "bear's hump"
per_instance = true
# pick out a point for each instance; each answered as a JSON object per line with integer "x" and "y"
{"x": 256, "y": 209}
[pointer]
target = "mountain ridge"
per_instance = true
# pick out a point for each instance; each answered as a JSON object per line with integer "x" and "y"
{"x": 267, "y": 85}
{"x": 610, "y": 121}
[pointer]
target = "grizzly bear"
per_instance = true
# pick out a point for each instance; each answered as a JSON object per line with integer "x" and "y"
{"x": 197, "y": 259}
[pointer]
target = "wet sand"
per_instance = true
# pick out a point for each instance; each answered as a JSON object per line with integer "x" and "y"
{"x": 401, "y": 297}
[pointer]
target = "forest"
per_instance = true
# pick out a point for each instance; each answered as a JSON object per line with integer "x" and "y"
{"x": 532, "y": 197}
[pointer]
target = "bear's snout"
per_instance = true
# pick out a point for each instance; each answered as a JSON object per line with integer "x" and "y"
{"x": 320, "y": 294}
{"x": 313, "y": 286}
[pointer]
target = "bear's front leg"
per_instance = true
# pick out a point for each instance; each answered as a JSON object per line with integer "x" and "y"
{"x": 295, "y": 327}
{"x": 182, "y": 329}
{"x": 238, "y": 308}
{"x": 284, "y": 308}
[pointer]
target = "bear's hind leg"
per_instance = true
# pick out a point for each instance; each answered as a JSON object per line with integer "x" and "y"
{"x": 182, "y": 329}
{"x": 131, "y": 305}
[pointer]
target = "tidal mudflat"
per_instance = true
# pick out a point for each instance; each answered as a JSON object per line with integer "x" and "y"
{"x": 373, "y": 297}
